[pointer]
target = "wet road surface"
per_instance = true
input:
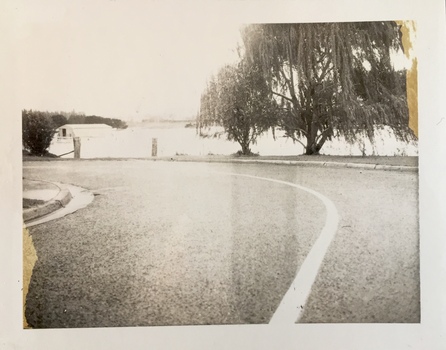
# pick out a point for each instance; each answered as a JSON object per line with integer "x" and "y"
{"x": 169, "y": 243}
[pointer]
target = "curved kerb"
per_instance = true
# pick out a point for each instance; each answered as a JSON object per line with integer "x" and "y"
{"x": 80, "y": 198}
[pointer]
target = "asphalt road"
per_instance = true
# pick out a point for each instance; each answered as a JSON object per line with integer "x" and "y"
{"x": 170, "y": 243}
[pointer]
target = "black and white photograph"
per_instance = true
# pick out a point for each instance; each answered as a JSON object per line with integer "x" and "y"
{"x": 289, "y": 196}
{"x": 183, "y": 169}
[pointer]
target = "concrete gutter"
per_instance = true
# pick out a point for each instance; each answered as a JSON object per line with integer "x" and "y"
{"x": 224, "y": 159}
{"x": 308, "y": 163}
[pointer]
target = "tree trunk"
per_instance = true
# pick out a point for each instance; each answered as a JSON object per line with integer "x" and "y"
{"x": 312, "y": 148}
{"x": 312, "y": 151}
{"x": 246, "y": 150}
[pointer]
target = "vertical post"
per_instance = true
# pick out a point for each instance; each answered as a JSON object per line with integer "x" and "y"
{"x": 154, "y": 147}
{"x": 77, "y": 147}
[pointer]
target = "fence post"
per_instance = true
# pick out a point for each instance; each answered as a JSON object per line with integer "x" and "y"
{"x": 77, "y": 147}
{"x": 154, "y": 147}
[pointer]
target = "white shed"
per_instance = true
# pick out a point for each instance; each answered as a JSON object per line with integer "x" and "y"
{"x": 84, "y": 130}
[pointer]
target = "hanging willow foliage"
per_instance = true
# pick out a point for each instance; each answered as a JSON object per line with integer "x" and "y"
{"x": 240, "y": 101}
{"x": 332, "y": 79}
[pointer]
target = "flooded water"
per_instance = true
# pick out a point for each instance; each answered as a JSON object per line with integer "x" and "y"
{"x": 136, "y": 142}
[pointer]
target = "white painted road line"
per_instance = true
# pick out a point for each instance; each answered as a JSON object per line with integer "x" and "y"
{"x": 292, "y": 305}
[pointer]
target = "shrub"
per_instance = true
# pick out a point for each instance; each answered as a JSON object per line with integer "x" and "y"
{"x": 37, "y": 132}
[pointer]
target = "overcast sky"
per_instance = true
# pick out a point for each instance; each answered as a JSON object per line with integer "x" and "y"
{"x": 124, "y": 59}
{"x": 119, "y": 59}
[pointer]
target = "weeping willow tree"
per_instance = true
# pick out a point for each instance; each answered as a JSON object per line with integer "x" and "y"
{"x": 332, "y": 79}
{"x": 240, "y": 101}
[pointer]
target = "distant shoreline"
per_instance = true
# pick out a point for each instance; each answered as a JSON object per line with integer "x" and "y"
{"x": 160, "y": 124}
